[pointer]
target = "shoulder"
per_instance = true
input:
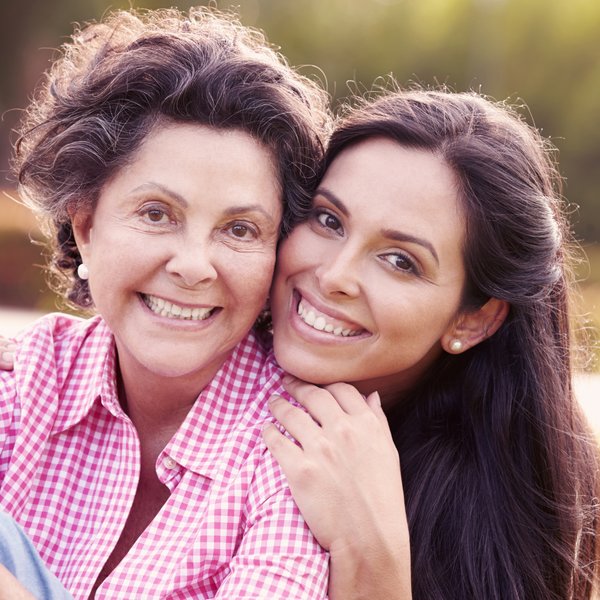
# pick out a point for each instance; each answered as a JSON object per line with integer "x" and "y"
{"x": 253, "y": 370}
{"x": 49, "y": 350}
{"x": 57, "y": 332}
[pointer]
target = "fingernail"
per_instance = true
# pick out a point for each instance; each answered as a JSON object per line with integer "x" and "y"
{"x": 273, "y": 399}
{"x": 377, "y": 398}
{"x": 8, "y": 356}
{"x": 287, "y": 378}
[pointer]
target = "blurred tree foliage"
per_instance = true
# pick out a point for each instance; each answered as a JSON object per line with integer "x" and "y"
{"x": 542, "y": 53}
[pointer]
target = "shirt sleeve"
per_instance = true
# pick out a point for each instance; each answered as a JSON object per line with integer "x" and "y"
{"x": 278, "y": 557}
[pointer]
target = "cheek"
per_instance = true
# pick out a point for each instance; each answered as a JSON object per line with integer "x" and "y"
{"x": 249, "y": 276}
{"x": 295, "y": 251}
{"x": 412, "y": 321}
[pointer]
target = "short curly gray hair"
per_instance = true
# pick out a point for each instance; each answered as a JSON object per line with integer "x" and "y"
{"x": 116, "y": 78}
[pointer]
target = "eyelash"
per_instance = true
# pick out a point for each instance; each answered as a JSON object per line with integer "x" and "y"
{"x": 320, "y": 215}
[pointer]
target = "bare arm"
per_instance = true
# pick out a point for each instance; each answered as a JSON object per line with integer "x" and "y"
{"x": 10, "y": 588}
{"x": 345, "y": 478}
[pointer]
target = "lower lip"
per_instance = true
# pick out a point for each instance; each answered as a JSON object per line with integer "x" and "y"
{"x": 184, "y": 324}
{"x": 316, "y": 336}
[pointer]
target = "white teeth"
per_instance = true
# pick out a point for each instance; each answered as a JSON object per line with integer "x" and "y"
{"x": 164, "y": 308}
{"x": 319, "y": 322}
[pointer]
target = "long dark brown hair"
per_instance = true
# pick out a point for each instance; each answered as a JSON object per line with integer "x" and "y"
{"x": 499, "y": 467}
{"x": 116, "y": 79}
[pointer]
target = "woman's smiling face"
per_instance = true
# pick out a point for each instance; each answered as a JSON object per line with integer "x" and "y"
{"x": 365, "y": 288}
{"x": 181, "y": 249}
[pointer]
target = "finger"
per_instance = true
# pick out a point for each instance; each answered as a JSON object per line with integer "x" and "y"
{"x": 285, "y": 452}
{"x": 298, "y": 423}
{"x": 322, "y": 406}
{"x": 7, "y": 355}
{"x": 313, "y": 398}
{"x": 374, "y": 403}
{"x": 348, "y": 397}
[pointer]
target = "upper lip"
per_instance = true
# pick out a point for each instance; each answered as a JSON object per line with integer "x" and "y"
{"x": 326, "y": 310}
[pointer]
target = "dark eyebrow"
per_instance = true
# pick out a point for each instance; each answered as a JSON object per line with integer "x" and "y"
{"x": 398, "y": 236}
{"x": 333, "y": 199}
{"x": 165, "y": 190}
{"x": 244, "y": 208}
{"x": 233, "y": 210}
{"x": 391, "y": 234}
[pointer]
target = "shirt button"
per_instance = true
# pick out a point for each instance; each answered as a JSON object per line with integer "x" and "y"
{"x": 170, "y": 463}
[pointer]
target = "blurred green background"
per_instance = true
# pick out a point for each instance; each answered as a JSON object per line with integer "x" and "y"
{"x": 543, "y": 54}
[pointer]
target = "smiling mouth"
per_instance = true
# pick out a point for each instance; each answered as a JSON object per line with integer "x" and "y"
{"x": 321, "y": 322}
{"x": 164, "y": 308}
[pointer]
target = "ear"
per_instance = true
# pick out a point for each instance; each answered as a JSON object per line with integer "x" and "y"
{"x": 81, "y": 221}
{"x": 472, "y": 327}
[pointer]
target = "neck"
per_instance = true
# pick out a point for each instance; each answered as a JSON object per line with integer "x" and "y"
{"x": 158, "y": 405}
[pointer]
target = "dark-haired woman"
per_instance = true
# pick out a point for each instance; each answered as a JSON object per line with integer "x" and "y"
{"x": 433, "y": 276}
{"x": 159, "y": 153}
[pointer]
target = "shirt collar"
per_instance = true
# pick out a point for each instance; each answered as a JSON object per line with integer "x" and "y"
{"x": 228, "y": 413}
{"x": 230, "y": 409}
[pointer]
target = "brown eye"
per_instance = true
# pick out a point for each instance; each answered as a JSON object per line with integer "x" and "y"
{"x": 239, "y": 231}
{"x": 401, "y": 262}
{"x": 328, "y": 221}
{"x": 155, "y": 215}
{"x": 242, "y": 231}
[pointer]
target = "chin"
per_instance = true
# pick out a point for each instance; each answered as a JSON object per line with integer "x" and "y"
{"x": 312, "y": 373}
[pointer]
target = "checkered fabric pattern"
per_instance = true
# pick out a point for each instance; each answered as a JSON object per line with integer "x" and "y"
{"x": 69, "y": 461}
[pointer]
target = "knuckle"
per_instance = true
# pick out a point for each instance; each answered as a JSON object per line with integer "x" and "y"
{"x": 325, "y": 448}
{"x": 279, "y": 407}
{"x": 305, "y": 472}
{"x": 341, "y": 387}
{"x": 344, "y": 431}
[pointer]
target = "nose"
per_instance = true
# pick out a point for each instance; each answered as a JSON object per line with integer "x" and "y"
{"x": 338, "y": 272}
{"x": 192, "y": 262}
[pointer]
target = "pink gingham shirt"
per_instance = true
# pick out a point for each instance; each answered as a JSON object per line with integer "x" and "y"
{"x": 69, "y": 461}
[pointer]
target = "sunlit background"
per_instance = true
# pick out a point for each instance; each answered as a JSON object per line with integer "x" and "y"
{"x": 541, "y": 54}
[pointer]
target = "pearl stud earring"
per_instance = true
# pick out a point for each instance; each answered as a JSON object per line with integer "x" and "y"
{"x": 83, "y": 272}
{"x": 456, "y": 345}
